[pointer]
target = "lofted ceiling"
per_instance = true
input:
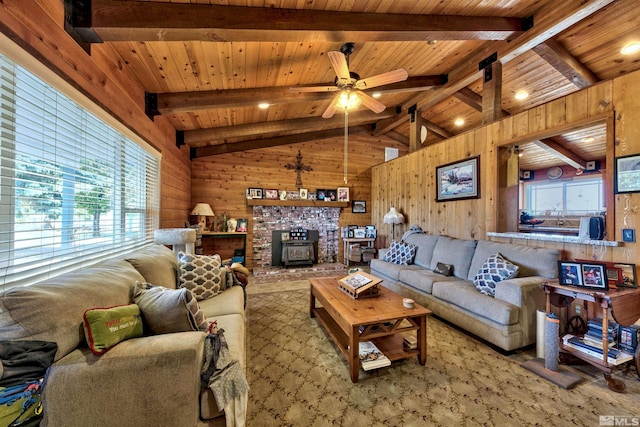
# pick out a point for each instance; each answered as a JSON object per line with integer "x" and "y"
{"x": 206, "y": 64}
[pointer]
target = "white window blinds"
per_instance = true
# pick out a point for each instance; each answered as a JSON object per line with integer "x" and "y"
{"x": 73, "y": 189}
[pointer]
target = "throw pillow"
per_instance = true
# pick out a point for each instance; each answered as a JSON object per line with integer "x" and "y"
{"x": 494, "y": 269}
{"x": 204, "y": 275}
{"x": 167, "y": 310}
{"x": 106, "y": 327}
{"x": 400, "y": 253}
{"x": 444, "y": 269}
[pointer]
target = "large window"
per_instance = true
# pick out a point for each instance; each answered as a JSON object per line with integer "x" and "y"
{"x": 73, "y": 189}
{"x": 577, "y": 197}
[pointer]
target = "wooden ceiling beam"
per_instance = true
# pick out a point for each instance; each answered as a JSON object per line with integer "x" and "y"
{"x": 549, "y": 21}
{"x": 180, "y": 102}
{"x": 566, "y": 64}
{"x": 562, "y": 153}
{"x": 225, "y": 148}
{"x": 220, "y": 134}
{"x": 109, "y": 20}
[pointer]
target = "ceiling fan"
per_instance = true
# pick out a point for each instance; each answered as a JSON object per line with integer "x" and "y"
{"x": 350, "y": 84}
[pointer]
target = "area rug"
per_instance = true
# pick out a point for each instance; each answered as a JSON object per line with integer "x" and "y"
{"x": 298, "y": 378}
{"x": 262, "y": 275}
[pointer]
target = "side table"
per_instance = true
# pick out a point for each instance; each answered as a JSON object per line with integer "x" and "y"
{"x": 370, "y": 241}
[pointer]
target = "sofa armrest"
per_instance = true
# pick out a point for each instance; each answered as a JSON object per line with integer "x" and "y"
{"x": 526, "y": 293}
{"x": 123, "y": 386}
{"x": 382, "y": 252}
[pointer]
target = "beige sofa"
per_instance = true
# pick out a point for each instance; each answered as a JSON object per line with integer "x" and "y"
{"x": 146, "y": 381}
{"x": 507, "y": 320}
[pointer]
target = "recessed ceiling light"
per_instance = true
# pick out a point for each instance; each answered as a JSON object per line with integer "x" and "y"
{"x": 630, "y": 48}
{"x": 459, "y": 122}
{"x": 263, "y": 105}
{"x": 521, "y": 94}
{"x": 376, "y": 94}
{"x": 588, "y": 139}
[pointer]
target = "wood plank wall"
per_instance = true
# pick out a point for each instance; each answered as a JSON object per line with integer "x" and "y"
{"x": 37, "y": 26}
{"x": 222, "y": 180}
{"x": 409, "y": 182}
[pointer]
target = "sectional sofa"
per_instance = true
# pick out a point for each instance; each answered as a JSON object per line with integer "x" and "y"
{"x": 152, "y": 380}
{"x": 507, "y": 319}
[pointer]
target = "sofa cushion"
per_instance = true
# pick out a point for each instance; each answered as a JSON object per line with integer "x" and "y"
{"x": 463, "y": 294}
{"x": 425, "y": 243}
{"x": 157, "y": 264}
{"x": 454, "y": 251}
{"x": 390, "y": 269}
{"x": 400, "y": 253}
{"x": 204, "y": 275}
{"x": 494, "y": 270}
{"x": 106, "y": 327}
{"x": 231, "y": 301}
{"x": 52, "y": 309}
{"x": 423, "y": 280}
{"x": 167, "y": 310}
{"x": 532, "y": 261}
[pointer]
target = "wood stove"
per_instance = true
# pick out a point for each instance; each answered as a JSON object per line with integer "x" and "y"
{"x": 289, "y": 247}
{"x": 297, "y": 252}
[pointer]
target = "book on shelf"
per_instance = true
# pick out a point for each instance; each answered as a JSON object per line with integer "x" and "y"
{"x": 614, "y": 357}
{"x": 371, "y": 357}
{"x": 409, "y": 340}
{"x": 628, "y": 337}
{"x": 359, "y": 284}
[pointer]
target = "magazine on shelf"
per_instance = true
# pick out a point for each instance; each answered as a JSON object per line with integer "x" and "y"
{"x": 371, "y": 357}
{"x": 359, "y": 284}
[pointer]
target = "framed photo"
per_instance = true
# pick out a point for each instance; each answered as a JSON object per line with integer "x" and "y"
{"x": 569, "y": 273}
{"x": 254, "y": 193}
{"x": 359, "y": 206}
{"x": 458, "y": 180}
{"x": 343, "y": 194}
{"x": 359, "y": 233}
{"x": 371, "y": 232}
{"x": 320, "y": 194}
{"x": 304, "y": 193}
{"x": 594, "y": 276}
{"x": 271, "y": 194}
{"x": 241, "y": 225}
{"x": 628, "y": 273}
{"x": 284, "y": 236}
{"x": 627, "y": 174}
{"x": 331, "y": 195}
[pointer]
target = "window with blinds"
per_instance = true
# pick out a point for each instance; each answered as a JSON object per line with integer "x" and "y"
{"x": 72, "y": 188}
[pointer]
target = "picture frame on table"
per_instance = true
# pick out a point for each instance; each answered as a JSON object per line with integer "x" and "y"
{"x": 458, "y": 180}
{"x": 241, "y": 225}
{"x": 343, "y": 194}
{"x": 359, "y": 233}
{"x": 570, "y": 273}
{"x": 331, "y": 196}
{"x": 627, "y": 276}
{"x": 271, "y": 194}
{"x": 594, "y": 276}
{"x": 359, "y": 206}
{"x": 627, "y": 174}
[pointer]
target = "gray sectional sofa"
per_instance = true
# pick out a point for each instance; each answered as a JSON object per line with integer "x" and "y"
{"x": 153, "y": 380}
{"x": 507, "y": 320}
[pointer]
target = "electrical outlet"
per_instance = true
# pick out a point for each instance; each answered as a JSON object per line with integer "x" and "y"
{"x": 578, "y": 309}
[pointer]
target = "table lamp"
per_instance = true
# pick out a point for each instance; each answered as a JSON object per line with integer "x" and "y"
{"x": 202, "y": 211}
{"x": 393, "y": 217}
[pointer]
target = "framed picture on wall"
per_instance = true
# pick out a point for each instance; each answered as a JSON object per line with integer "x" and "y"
{"x": 627, "y": 174}
{"x": 458, "y": 180}
{"x": 359, "y": 206}
{"x": 271, "y": 194}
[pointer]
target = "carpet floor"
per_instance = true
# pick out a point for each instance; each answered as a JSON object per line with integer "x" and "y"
{"x": 298, "y": 378}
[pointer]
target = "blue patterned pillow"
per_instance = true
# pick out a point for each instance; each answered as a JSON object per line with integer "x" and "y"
{"x": 494, "y": 269}
{"x": 400, "y": 253}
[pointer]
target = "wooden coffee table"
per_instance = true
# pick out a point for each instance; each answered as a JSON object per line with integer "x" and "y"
{"x": 383, "y": 318}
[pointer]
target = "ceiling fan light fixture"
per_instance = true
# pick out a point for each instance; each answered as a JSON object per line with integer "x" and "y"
{"x": 348, "y": 101}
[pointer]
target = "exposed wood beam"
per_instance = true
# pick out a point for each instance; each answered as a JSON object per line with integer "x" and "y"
{"x": 178, "y": 102}
{"x": 436, "y": 130}
{"x": 220, "y": 134}
{"x": 212, "y": 150}
{"x": 396, "y": 136}
{"x": 549, "y": 21}
{"x": 473, "y": 100}
{"x": 566, "y": 64}
{"x": 492, "y": 93}
{"x": 111, "y": 20}
{"x": 562, "y": 153}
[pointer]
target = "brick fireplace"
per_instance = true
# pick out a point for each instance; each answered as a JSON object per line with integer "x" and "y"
{"x": 267, "y": 219}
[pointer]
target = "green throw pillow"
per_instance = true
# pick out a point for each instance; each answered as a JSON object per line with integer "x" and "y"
{"x": 106, "y": 327}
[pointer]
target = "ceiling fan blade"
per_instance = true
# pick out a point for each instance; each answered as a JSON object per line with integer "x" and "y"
{"x": 383, "y": 79}
{"x": 313, "y": 88}
{"x": 339, "y": 63}
{"x": 371, "y": 103}
{"x": 330, "y": 111}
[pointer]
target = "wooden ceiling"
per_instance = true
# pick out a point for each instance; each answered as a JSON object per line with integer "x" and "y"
{"x": 207, "y": 64}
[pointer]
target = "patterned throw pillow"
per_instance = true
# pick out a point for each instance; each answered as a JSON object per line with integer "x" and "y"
{"x": 400, "y": 253}
{"x": 204, "y": 275}
{"x": 165, "y": 310}
{"x": 494, "y": 269}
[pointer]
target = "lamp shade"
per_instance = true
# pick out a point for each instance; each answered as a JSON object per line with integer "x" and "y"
{"x": 202, "y": 209}
{"x": 393, "y": 217}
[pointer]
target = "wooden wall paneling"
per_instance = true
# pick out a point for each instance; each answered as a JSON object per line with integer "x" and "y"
{"x": 556, "y": 113}
{"x": 575, "y": 106}
{"x": 600, "y": 98}
{"x": 537, "y": 119}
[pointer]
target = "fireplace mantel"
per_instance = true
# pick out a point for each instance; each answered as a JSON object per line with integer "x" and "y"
{"x": 296, "y": 202}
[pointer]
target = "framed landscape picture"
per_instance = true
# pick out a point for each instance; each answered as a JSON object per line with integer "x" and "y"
{"x": 271, "y": 194}
{"x": 627, "y": 176}
{"x": 458, "y": 180}
{"x": 359, "y": 206}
